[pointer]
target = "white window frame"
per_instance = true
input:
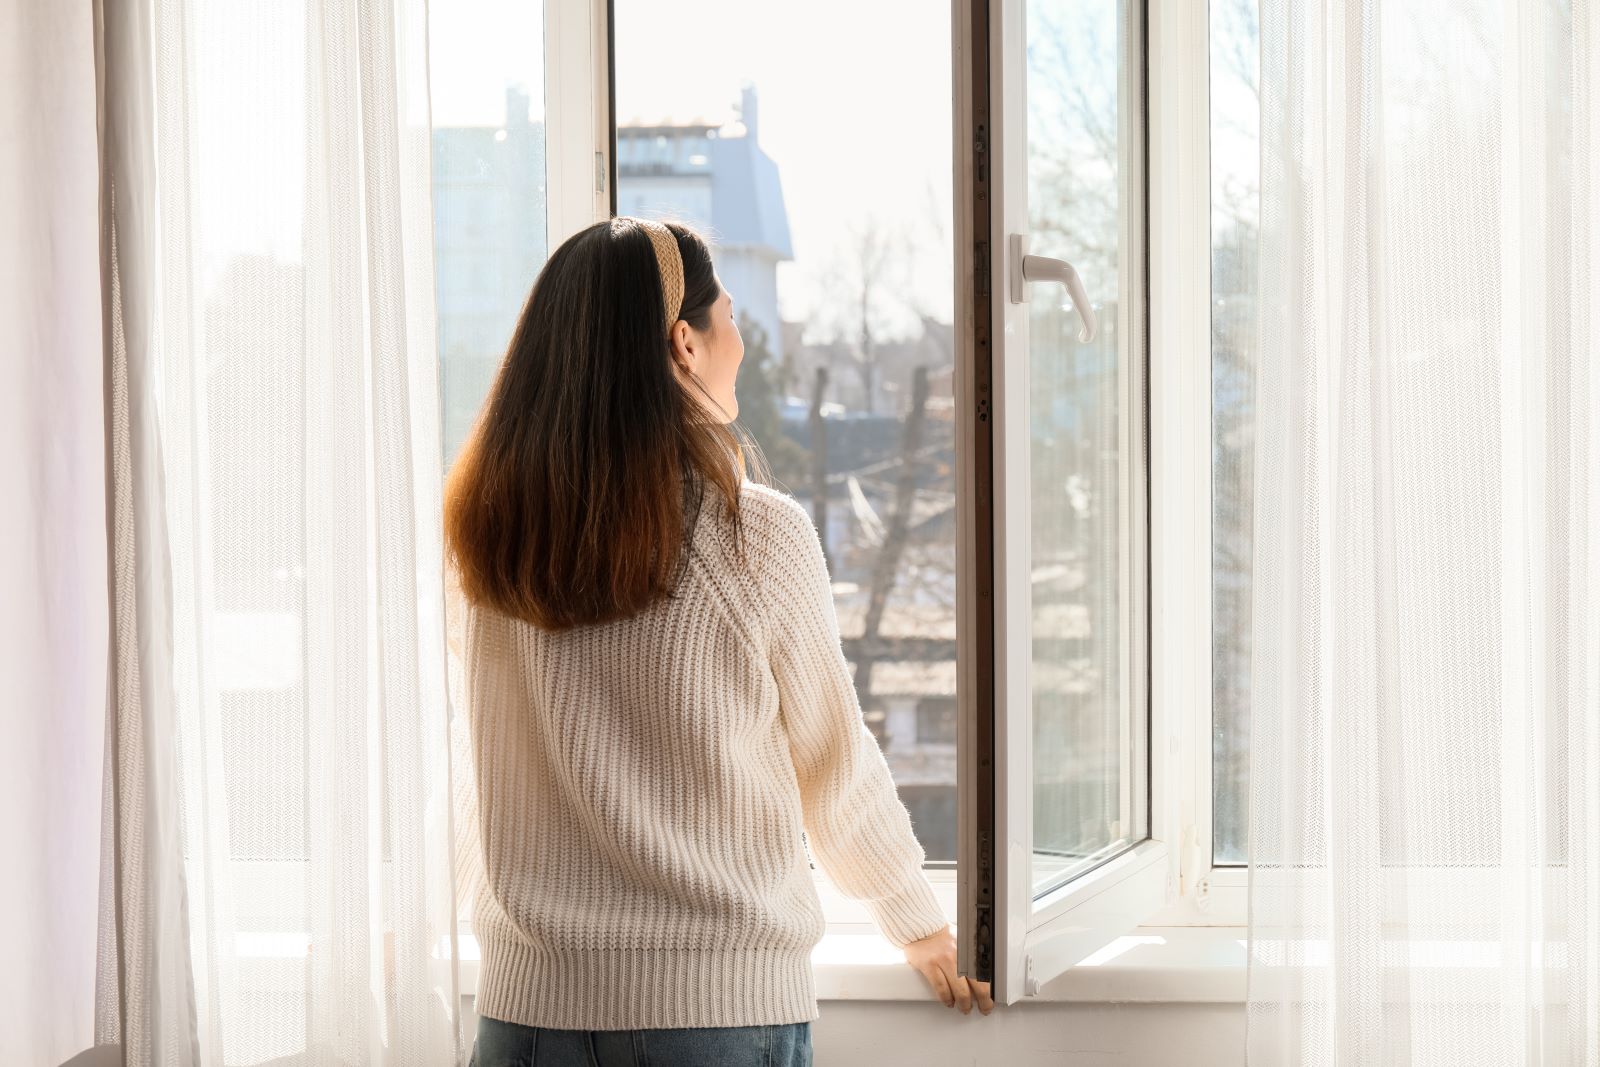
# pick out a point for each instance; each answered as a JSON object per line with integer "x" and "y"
{"x": 577, "y": 99}
{"x": 1180, "y": 192}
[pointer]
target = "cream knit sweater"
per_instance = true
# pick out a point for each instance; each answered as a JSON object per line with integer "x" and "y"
{"x": 630, "y": 829}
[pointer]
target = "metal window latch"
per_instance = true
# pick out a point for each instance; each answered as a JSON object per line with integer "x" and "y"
{"x": 1026, "y": 268}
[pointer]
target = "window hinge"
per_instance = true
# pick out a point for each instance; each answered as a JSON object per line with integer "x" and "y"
{"x": 1030, "y": 981}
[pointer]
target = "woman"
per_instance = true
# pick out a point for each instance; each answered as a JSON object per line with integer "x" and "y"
{"x": 657, "y": 698}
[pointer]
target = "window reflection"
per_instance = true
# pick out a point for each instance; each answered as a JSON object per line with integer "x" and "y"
{"x": 1235, "y": 116}
{"x": 489, "y": 244}
{"x": 1084, "y": 135}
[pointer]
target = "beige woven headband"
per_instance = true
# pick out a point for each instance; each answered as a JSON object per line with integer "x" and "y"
{"x": 670, "y": 260}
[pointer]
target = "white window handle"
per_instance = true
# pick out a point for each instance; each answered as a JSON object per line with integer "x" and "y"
{"x": 1026, "y": 268}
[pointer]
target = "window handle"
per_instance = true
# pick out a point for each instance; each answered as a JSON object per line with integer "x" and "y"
{"x": 1026, "y": 268}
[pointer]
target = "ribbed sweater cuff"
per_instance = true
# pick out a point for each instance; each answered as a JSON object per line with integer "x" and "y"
{"x": 910, "y": 915}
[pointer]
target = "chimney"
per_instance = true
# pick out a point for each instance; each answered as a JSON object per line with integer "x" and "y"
{"x": 747, "y": 110}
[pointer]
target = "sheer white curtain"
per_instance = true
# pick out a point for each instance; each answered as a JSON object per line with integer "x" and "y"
{"x": 279, "y": 866}
{"x": 52, "y": 533}
{"x": 1425, "y": 803}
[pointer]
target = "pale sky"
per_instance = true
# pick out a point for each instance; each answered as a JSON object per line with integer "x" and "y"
{"x": 857, "y": 119}
{"x": 855, "y": 109}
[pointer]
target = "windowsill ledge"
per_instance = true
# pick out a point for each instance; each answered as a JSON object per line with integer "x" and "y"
{"x": 1179, "y": 964}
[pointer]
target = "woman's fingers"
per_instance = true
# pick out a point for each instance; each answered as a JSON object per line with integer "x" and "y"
{"x": 941, "y": 987}
{"x": 934, "y": 957}
{"x": 985, "y": 1000}
{"x": 958, "y": 985}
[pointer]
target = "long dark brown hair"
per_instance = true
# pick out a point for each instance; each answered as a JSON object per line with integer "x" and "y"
{"x": 572, "y": 497}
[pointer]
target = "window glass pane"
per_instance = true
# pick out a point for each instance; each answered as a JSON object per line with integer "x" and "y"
{"x": 822, "y": 175}
{"x": 487, "y": 87}
{"x": 486, "y": 90}
{"x": 1235, "y": 115}
{"x": 1084, "y": 82}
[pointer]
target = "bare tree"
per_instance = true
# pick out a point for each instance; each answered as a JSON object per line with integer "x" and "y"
{"x": 1074, "y": 145}
{"x": 865, "y": 288}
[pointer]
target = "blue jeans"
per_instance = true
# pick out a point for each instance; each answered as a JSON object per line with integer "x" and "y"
{"x": 503, "y": 1044}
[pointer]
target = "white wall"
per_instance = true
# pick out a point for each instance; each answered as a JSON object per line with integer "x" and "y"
{"x": 894, "y": 1033}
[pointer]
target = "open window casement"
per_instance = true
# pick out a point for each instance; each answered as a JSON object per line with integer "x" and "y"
{"x": 1072, "y": 827}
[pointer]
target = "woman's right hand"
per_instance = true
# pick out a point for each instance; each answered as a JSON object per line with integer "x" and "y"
{"x": 934, "y": 957}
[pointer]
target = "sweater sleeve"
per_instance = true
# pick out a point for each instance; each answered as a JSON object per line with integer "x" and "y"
{"x": 858, "y": 830}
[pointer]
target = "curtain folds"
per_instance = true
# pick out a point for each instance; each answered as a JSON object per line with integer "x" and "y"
{"x": 278, "y": 855}
{"x": 1425, "y": 755}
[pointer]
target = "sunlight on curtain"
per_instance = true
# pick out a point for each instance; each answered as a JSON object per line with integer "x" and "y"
{"x": 278, "y": 484}
{"x": 1425, "y": 776}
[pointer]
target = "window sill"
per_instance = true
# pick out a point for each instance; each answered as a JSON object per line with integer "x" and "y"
{"x": 1178, "y": 964}
{"x": 1175, "y": 964}
{"x": 1190, "y": 964}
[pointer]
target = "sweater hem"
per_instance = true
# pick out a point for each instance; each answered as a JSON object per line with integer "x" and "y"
{"x": 646, "y": 988}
